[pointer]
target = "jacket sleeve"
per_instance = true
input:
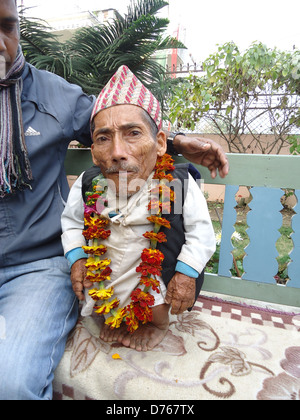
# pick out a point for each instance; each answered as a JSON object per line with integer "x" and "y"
{"x": 200, "y": 243}
{"x": 72, "y": 220}
{"x": 66, "y": 102}
{"x": 80, "y": 110}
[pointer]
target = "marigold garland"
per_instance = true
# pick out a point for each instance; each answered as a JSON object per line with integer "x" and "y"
{"x": 99, "y": 271}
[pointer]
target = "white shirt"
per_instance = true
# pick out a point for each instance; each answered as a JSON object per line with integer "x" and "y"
{"x": 126, "y": 241}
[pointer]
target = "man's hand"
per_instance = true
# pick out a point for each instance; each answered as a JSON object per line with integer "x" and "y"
{"x": 181, "y": 293}
{"x": 78, "y": 275}
{"x": 203, "y": 152}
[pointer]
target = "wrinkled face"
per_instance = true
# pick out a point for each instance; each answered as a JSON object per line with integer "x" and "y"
{"x": 9, "y": 35}
{"x": 124, "y": 146}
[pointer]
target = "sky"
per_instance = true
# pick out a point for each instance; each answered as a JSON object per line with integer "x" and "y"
{"x": 203, "y": 24}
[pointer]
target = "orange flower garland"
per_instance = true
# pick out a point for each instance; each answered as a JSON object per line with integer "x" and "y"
{"x": 99, "y": 271}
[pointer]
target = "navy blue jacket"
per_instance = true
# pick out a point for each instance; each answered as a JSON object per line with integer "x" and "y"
{"x": 54, "y": 113}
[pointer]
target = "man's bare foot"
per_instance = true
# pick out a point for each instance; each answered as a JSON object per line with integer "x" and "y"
{"x": 113, "y": 335}
{"x": 148, "y": 336}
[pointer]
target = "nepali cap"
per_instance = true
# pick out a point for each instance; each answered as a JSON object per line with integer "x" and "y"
{"x": 125, "y": 88}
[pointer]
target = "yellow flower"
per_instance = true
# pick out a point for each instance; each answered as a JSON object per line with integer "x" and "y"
{"x": 116, "y": 319}
{"x": 97, "y": 221}
{"x": 131, "y": 320}
{"x": 116, "y": 356}
{"x": 94, "y": 265}
{"x": 106, "y": 307}
{"x": 101, "y": 294}
{"x": 95, "y": 250}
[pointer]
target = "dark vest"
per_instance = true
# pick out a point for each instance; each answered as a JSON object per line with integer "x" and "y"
{"x": 175, "y": 235}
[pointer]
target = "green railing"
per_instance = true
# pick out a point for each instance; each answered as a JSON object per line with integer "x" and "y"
{"x": 267, "y": 176}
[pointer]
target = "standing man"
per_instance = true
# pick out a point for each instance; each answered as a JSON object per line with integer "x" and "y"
{"x": 40, "y": 114}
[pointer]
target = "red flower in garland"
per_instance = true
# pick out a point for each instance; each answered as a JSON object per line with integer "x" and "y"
{"x": 92, "y": 199}
{"x": 161, "y": 221}
{"x": 94, "y": 232}
{"x": 162, "y": 175}
{"x": 131, "y": 320}
{"x": 98, "y": 277}
{"x": 89, "y": 221}
{"x": 153, "y": 257}
{"x": 165, "y": 163}
{"x": 142, "y": 298}
{"x": 150, "y": 282}
{"x": 143, "y": 314}
{"x": 146, "y": 269}
{"x": 156, "y": 237}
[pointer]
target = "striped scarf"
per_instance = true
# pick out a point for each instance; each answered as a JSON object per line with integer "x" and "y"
{"x": 15, "y": 170}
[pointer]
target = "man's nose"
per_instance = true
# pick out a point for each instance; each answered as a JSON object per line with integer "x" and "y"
{"x": 3, "y": 47}
{"x": 2, "y": 44}
{"x": 119, "y": 150}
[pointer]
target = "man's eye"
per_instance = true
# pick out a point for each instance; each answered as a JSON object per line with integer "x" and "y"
{"x": 102, "y": 139}
{"x": 135, "y": 133}
{"x": 8, "y": 27}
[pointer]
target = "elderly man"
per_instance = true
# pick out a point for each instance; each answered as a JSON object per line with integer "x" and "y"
{"x": 40, "y": 115}
{"x": 127, "y": 144}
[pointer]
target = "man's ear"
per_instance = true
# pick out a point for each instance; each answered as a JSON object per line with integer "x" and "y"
{"x": 161, "y": 139}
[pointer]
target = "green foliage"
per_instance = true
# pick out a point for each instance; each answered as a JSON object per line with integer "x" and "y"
{"x": 232, "y": 84}
{"x": 42, "y": 49}
{"x": 295, "y": 144}
{"x": 95, "y": 53}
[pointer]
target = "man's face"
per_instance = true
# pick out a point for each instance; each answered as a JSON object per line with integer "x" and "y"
{"x": 124, "y": 145}
{"x": 9, "y": 35}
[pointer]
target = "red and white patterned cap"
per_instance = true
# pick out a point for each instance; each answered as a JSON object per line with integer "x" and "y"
{"x": 125, "y": 88}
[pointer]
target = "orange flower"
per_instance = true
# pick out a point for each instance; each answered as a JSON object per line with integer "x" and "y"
{"x": 150, "y": 282}
{"x": 116, "y": 319}
{"x": 162, "y": 189}
{"x": 95, "y": 250}
{"x": 155, "y": 237}
{"x": 101, "y": 294}
{"x": 98, "y": 277}
{"x": 162, "y": 175}
{"x": 153, "y": 257}
{"x": 90, "y": 221}
{"x": 155, "y": 206}
{"x": 131, "y": 320}
{"x": 94, "y": 232}
{"x": 143, "y": 314}
{"x": 94, "y": 265}
{"x": 146, "y": 269}
{"x": 142, "y": 298}
{"x": 92, "y": 198}
{"x": 161, "y": 221}
{"x": 116, "y": 356}
{"x": 106, "y": 307}
{"x": 165, "y": 163}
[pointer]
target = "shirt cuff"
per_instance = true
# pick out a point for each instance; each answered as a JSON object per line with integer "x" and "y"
{"x": 183, "y": 268}
{"x": 75, "y": 255}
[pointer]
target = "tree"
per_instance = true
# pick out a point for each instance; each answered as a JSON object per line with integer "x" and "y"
{"x": 237, "y": 90}
{"x": 95, "y": 53}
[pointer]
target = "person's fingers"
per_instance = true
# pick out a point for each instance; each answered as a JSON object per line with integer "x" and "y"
{"x": 78, "y": 289}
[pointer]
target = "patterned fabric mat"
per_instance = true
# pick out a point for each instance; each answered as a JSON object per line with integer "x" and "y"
{"x": 220, "y": 350}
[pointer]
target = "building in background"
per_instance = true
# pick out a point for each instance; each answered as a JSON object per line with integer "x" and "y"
{"x": 179, "y": 62}
{"x": 67, "y": 24}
